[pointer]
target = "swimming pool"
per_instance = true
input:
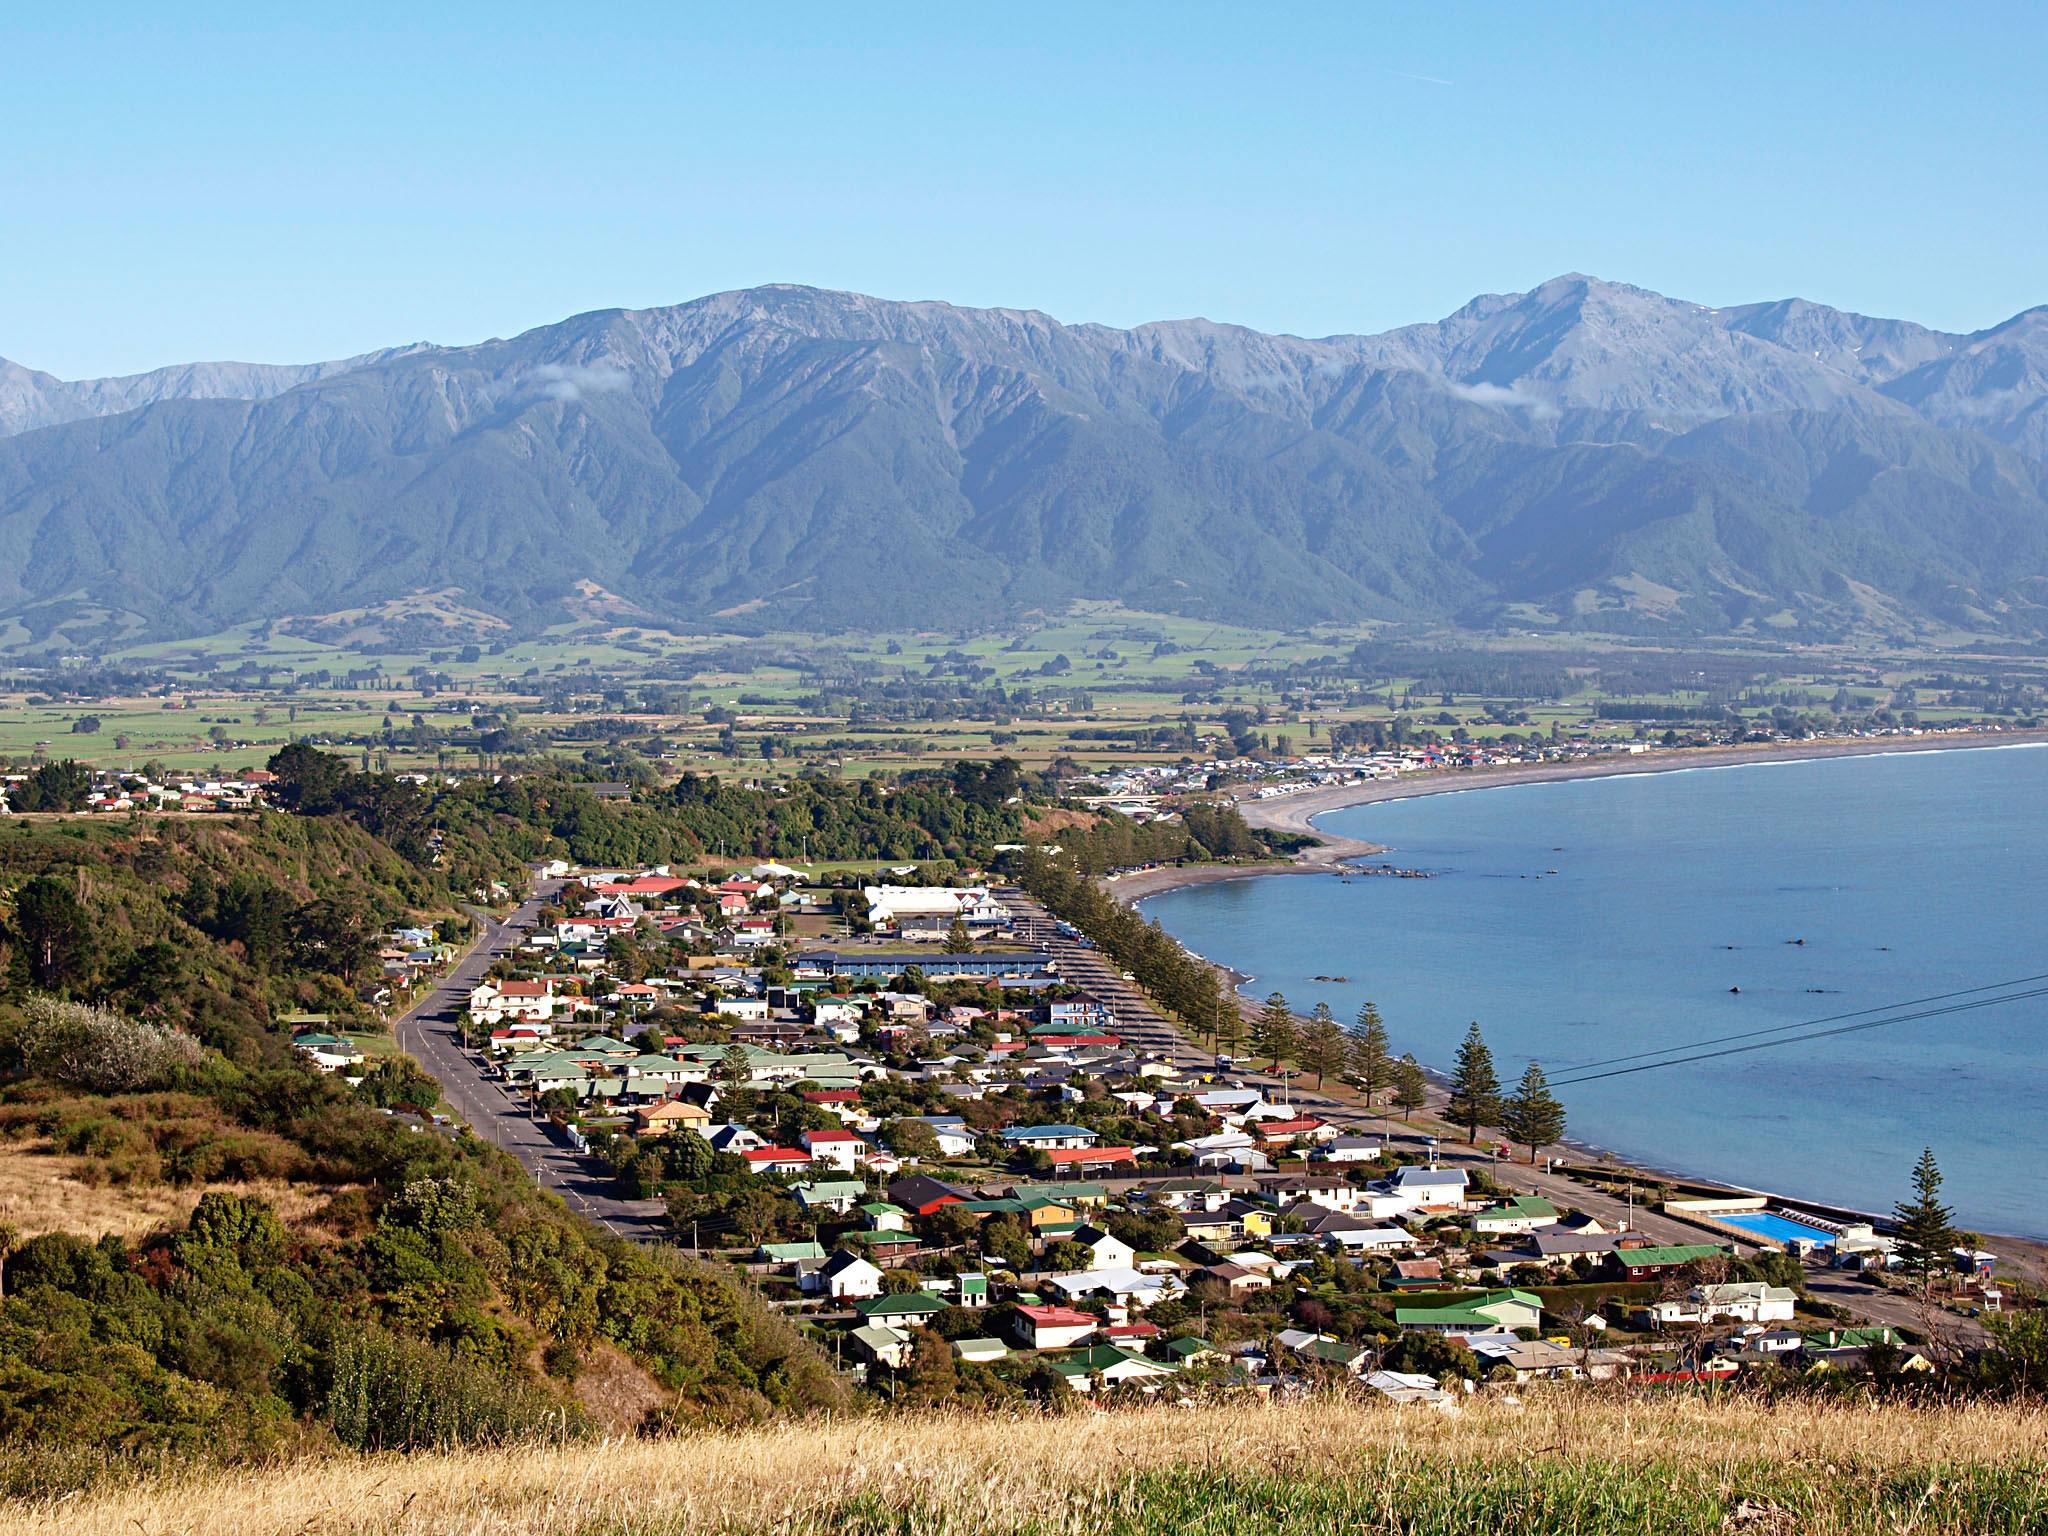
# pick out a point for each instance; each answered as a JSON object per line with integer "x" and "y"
{"x": 1777, "y": 1228}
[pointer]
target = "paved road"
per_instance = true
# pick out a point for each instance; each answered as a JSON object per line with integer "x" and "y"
{"x": 432, "y": 1033}
{"x": 1141, "y": 1024}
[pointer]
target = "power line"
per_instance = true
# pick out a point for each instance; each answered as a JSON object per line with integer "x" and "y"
{"x": 1765, "y": 1045}
{"x": 1832, "y": 1018}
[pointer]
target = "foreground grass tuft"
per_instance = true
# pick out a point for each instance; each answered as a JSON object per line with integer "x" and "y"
{"x": 1563, "y": 1465}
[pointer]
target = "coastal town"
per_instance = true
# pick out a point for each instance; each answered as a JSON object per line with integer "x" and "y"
{"x": 929, "y": 1124}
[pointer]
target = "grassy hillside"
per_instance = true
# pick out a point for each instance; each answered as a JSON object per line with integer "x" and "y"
{"x": 1559, "y": 1464}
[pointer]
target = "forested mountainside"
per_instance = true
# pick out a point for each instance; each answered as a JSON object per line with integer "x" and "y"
{"x": 1585, "y": 454}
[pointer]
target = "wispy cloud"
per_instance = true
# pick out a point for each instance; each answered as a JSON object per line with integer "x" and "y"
{"x": 1505, "y": 397}
{"x": 572, "y": 381}
{"x": 1425, "y": 79}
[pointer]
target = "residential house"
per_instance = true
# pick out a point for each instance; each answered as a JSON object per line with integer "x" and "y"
{"x": 1428, "y": 1189}
{"x": 981, "y": 1351}
{"x": 1048, "y": 1138}
{"x": 652, "y": 1120}
{"x": 845, "y": 1276}
{"x": 882, "y": 1345}
{"x": 1105, "y": 1251}
{"x": 1516, "y": 1215}
{"x": 1052, "y": 1327}
{"x": 1495, "y": 1312}
{"x": 1740, "y": 1301}
{"x": 839, "y": 1149}
{"x": 1113, "y": 1367}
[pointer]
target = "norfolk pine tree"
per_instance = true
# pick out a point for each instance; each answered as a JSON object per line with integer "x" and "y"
{"x": 1371, "y": 1062}
{"x": 1322, "y": 1044}
{"x": 1273, "y": 1031}
{"x": 1475, "y": 1086}
{"x": 1411, "y": 1088}
{"x": 1532, "y": 1116}
{"x": 1925, "y": 1230}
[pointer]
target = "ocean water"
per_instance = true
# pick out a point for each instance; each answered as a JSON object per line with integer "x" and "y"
{"x": 1584, "y": 921}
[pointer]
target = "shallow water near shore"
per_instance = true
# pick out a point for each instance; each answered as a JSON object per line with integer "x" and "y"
{"x": 1588, "y": 920}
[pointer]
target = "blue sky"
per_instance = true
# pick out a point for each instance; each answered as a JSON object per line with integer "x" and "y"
{"x": 274, "y": 186}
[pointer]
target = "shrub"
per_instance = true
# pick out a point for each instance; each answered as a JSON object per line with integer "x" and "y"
{"x": 93, "y": 1048}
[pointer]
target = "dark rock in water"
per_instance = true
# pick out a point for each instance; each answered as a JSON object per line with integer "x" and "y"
{"x": 1735, "y": 989}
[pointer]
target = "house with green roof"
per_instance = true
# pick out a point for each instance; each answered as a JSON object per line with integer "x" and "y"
{"x": 1516, "y": 1215}
{"x": 914, "y": 1305}
{"x": 1112, "y": 1366}
{"x": 791, "y": 1253}
{"x": 1495, "y": 1312}
{"x": 1640, "y": 1263}
{"x": 1192, "y": 1350}
{"x": 836, "y": 1195}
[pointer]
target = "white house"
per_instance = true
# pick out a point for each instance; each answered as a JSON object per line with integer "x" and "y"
{"x": 1041, "y": 1327}
{"x": 1739, "y": 1301}
{"x": 1106, "y": 1251}
{"x": 1427, "y": 1189}
{"x": 846, "y": 1276}
{"x": 836, "y": 1149}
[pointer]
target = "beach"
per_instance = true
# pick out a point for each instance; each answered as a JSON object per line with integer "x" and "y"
{"x": 1296, "y": 813}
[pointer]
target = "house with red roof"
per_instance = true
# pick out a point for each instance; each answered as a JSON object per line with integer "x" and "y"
{"x": 1093, "y": 1157}
{"x": 1053, "y": 1327}
{"x": 836, "y": 1148}
{"x": 777, "y": 1160}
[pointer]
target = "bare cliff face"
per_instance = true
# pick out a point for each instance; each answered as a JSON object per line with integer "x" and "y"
{"x": 1583, "y": 454}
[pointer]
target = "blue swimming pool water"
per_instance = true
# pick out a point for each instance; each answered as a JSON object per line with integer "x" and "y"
{"x": 1779, "y": 1229}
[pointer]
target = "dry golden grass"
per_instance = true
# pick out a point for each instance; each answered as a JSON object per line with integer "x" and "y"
{"x": 42, "y": 1191}
{"x": 1073, "y": 1474}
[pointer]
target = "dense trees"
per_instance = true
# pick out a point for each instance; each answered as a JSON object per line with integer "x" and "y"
{"x": 1475, "y": 1085}
{"x": 53, "y": 931}
{"x": 62, "y": 786}
{"x": 1180, "y": 983}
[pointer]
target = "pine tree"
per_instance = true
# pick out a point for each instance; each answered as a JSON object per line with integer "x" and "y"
{"x": 1322, "y": 1044}
{"x": 1925, "y": 1230}
{"x": 1273, "y": 1031}
{"x": 1228, "y": 1024}
{"x": 1475, "y": 1086}
{"x": 1371, "y": 1062}
{"x": 1411, "y": 1088}
{"x": 1532, "y": 1116}
{"x": 958, "y": 940}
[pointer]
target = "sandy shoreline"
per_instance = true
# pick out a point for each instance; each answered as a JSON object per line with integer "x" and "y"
{"x": 1297, "y": 813}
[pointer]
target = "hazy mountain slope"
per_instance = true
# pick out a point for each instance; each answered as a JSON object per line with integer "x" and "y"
{"x": 1589, "y": 451}
{"x": 29, "y": 399}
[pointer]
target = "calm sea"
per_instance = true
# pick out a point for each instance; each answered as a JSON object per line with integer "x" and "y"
{"x": 1584, "y": 921}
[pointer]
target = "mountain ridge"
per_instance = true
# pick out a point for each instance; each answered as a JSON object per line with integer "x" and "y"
{"x": 807, "y": 456}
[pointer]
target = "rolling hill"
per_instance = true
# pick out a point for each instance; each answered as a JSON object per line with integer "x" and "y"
{"x": 1586, "y": 454}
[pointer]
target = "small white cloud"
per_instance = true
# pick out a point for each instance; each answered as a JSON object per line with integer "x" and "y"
{"x": 572, "y": 381}
{"x": 1505, "y": 396}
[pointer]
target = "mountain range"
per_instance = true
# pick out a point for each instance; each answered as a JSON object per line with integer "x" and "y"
{"x": 1586, "y": 455}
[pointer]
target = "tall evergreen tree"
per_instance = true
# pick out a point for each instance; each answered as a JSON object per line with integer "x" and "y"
{"x": 1322, "y": 1044}
{"x": 1228, "y": 1023}
{"x": 1532, "y": 1115}
{"x": 1371, "y": 1061}
{"x": 1273, "y": 1031}
{"x": 1411, "y": 1088}
{"x": 1475, "y": 1085}
{"x": 1926, "y": 1231}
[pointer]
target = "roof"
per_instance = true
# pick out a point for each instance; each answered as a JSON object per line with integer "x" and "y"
{"x": 1022, "y": 1132}
{"x": 1058, "y": 1317}
{"x": 909, "y": 1304}
{"x": 1668, "y": 1257}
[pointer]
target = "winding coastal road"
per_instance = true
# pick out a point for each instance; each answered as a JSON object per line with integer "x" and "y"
{"x": 431, "y": 1032}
